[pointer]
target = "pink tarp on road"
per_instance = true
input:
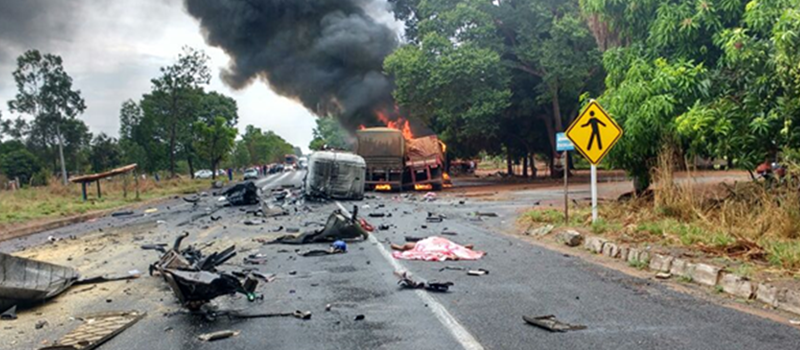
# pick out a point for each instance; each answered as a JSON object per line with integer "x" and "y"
{"x": 438, "y": 249}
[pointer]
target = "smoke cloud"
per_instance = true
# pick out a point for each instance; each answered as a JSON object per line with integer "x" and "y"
{"x": 327, "y": 54}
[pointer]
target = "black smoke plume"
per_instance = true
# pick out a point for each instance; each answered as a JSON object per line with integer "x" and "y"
{"x": 327, "y": 54}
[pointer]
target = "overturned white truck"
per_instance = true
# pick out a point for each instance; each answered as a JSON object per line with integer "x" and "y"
{"x": 335, "y": 175}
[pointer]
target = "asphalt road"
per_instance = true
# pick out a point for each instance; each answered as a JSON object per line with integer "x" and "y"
{"x": 619, "y": 311}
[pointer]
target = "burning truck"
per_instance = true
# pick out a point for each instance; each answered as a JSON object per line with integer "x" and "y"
{"x": 398, "y": 162}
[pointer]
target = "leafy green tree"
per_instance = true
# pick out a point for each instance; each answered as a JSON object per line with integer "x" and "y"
{"x": 241, "y": 155}
{"x": 214, "y": 141}
{"x": 265, "y": 146}
{"x": 44, "y": 91}
{"x": 105, "y": 153}
{"x": 330, "y": 133}
{"x": 174, "y": 97}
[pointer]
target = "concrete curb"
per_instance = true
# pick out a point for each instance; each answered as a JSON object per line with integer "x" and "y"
{"x": 700, "y": 273}
{"x": 71, "y": 220}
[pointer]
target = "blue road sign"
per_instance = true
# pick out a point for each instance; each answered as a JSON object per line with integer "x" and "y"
{"x": 563, "y": 143}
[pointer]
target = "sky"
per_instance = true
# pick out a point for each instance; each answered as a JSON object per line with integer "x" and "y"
{"x": 113, "y": 48}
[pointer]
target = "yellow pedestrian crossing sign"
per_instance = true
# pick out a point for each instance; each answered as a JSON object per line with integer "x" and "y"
{"x": 594, "y": 133}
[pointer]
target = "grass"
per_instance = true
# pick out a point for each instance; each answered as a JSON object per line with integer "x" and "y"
{"x": 55, "y": 200}
{"x": 685, "y": 279}
{"x": 545, "y": 216}
{"x": 638, "y": 264}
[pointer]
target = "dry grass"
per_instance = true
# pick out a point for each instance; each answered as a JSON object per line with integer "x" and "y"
{"x": 56, "y": 200}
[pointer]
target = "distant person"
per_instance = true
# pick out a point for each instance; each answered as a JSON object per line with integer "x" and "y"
{"x": 230, "y": 174}
{"x": 155, "y": 176}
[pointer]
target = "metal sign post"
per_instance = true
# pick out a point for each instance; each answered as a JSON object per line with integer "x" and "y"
{"x": 563, "y": 144}
{"x": 594, "y": 133}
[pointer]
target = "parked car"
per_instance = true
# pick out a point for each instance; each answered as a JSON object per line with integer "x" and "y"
{"x": 203, "y": 174}
{"x": 251, "y": 174}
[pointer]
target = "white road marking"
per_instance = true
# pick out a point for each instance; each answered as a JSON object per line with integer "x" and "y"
{"x": 448, "y": 321}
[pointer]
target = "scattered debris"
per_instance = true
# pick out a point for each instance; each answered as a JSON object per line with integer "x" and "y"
{"x": 218, "y": 335}
{"x": 457, "y": 268}
{"x": 487, "y": 214}
{"x": 193, "y": 277}
{"x": 429, "y": 197}
{"x": 328, "y": 307}
{"x": 254, "y": 222}
{"x": 412, "y": 239}
{"x": 384, "y": 227}
{"x": 161, "y": 247}
{"x": 550, "y": 323}
{"x": 478, "y": 272}
{"x": 151, "y": 211}
{"x": 10, "y": 314}
{"x": 40, "y": 324}
{"x": 292, "y": 230}
{"x": 340, "y": 226}
{"x": 122, "y": 213}
{"x": 360, "y": 317}
{"x": 407, "y": 282}
{"x": 449, "y": 233}
{"x": 109, "y": 278}
{"x": 795, "y": 322}
{"x": 242, "y": 194}
{"x": 377, "y": 215}
{"x": 215, "y": 218}
{"x": 438, "y": 249}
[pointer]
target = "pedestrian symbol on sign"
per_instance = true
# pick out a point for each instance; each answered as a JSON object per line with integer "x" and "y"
{"x": 594, "y": 133}
{"x": 594, "y": 122}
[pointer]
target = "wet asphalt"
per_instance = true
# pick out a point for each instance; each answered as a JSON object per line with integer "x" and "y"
{"x": 619, "y": 311}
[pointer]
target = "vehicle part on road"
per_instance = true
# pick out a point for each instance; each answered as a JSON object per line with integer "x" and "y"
{"x": 488, "y": 215}
{"x": 335, "y": 175}
{"x": 193, "y": 277}
{"x": 218, "y": 335}
{"x": 215, "y": 218}
{"x": 242, "y": 194}
{"x": 25, "y": 281}
{"x": 292, "y": 230}
{"x": 122, "y": 213}
{"x": 302, "y": 315}
{"x": 359, "y": 318}
{"x": 321, "y": 252}
{"x": 254, "y": 222}
{"x": 449, "y": 233}
{"x": 478, "y": 272}
{"x": 377, "y": 215}
{"x": 456, "y": 268}
{"x": 384, "y": 227}
{"x": 157, "y": 246}
{"x": 108, "y": 278}
{"x": 338, "y": 227}
{"x": 96, "y": 329}
{"x": 410, "y": 239}
{"x": 438, "y": 249}
{"x": 340, "y": 245}
{"x": 151, "y": 211}
{"x": 10, "y": 314}
{"x": 407, "y": 282}
{"x": 433, "y": 219}
{"x": 550, "y": 323}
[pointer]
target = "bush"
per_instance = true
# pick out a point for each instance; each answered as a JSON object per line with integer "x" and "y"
{"x": 41, "y": 178}
{"x": 20, "y": 164}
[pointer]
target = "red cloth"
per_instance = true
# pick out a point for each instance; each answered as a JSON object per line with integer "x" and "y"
{"x": 438, "y": 249}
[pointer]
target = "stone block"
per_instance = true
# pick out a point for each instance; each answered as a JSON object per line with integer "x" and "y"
{"x": 633, "y": 255}
{"x": 705, "y": 274}
{"x": 594, "y": 244}
{"x": 660, "y": 262}
{"x": 789, "y": 300}
{"x": 624, "y": 252}
{"x": 570, "y": 238}
{"x": 610, "y": 250}
{"x": 767, "y": 294}
{"x": 736, "y": 285}
{"x": 681, "y": 267}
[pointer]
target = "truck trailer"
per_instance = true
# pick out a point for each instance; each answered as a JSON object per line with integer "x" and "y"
{"x": 397, "y": 164}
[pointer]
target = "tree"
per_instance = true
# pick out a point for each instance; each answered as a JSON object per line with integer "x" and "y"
{"x": 176, "y": 91}
{"x": 265, "y": 147}
{"x": 19, "y": 163}
{"x": 330, "y": 133}
{"x": 105, "y": 153}
{"x": 44, "y": 91}
{"x": 214, "y": 141}
{"x": 713, "y": 78}
{"x": 241, "y": 156}
{"x": 498, "y": 76}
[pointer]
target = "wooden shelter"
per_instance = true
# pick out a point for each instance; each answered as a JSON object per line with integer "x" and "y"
{"x": 86, "y": 179}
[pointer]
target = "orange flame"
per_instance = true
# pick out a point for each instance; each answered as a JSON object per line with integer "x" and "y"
{"x": 399, "y": 124}
{"x": 423, "y": 187}
{"x": 383, "y": 187}
{"x": 447, "y": 180}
